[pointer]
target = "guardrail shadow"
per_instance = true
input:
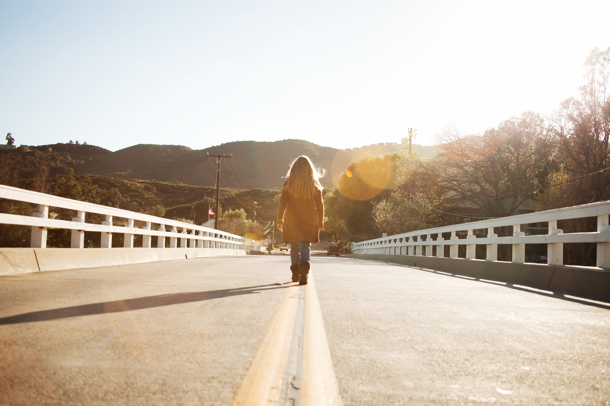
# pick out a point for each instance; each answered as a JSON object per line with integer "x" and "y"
{"x": 126, "y": 305}
{"x": 601, "y": 303}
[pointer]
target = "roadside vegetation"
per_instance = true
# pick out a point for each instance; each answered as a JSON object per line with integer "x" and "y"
{"x": 526, "y": 163}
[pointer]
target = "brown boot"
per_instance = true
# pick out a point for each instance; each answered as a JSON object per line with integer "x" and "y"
{"x": 295, "y": 272}
{"x": 304, "y": 269}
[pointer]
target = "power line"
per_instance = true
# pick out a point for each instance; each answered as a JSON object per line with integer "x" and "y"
{"x": 234, "y": 195}
{"x": 446, "y": 212}
{"x": 558, "y": 184}
{"x": 252, "y": 203}
{"x": 237, "y": 178}
{"x": 509, "y": 195}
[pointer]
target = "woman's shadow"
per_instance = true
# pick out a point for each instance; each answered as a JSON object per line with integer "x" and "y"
{"x": 140, "y": 303}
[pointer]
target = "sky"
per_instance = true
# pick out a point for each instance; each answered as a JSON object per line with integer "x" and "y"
{"x": 342, "y": 74}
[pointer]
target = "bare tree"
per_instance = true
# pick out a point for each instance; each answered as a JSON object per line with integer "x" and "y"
{"x": 581, "y": 130}
{"x": 495, "y": 173}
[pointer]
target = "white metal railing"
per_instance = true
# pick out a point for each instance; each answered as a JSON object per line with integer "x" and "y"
{"x": 191, "y": 236}
{"x": 422, "y": 242}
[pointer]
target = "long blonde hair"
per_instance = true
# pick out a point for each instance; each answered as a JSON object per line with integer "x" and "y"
{"x": 303, "y": 178}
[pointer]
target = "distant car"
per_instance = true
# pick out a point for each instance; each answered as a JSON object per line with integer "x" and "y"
{"x": 333, "y": 250}
{"x": 284, "y": 247}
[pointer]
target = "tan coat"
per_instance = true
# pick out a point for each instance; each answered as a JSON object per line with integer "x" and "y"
{"x": 302, "y": 218}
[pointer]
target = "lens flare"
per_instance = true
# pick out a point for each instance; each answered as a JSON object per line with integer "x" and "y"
{"x": 340, "y": 162}
{"x": 367, "y": 178}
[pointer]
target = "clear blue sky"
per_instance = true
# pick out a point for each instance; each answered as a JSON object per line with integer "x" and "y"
{"x": 336, "y": 73}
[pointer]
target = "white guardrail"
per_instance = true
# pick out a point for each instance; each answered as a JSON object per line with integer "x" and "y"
{"x": 191, "y": 236}
{"x": 421, "y": 243}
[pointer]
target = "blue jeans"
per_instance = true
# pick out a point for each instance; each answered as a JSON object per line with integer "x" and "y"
{"x": 299, "y": 251}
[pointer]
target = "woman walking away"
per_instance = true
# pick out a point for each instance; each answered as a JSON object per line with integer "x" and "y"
{"x": 300, "y": 215}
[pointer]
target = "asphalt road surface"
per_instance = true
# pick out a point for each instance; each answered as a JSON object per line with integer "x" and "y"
{"x": 231, "y": 331}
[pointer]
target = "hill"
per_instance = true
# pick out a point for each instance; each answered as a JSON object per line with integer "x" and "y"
{"x": 176, "y": 181}
{"x": 254, "y": 164}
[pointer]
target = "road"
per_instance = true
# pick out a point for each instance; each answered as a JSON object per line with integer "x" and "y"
{"x": 220, "y": 331}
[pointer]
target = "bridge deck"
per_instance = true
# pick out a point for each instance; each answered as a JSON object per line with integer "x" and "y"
{"x": 191, "y": 332}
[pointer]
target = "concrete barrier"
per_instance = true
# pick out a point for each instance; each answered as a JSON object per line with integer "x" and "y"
{"x": 17, "y": 260}
{"x": 592, "y": 283}
{"x": 25, "y": 260}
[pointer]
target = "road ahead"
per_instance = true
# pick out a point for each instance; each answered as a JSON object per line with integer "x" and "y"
{"x": 215, "y": 331}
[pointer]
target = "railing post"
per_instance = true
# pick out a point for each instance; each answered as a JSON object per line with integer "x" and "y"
{"x": 38, "y": 236}
{"x": 106, "y": 240}
{"x": 429, "y": 247}
{"x": 161, "y": 238}
{"x": 440, "y": 249}
{"x": 409, "y": 247}
{"x": 128, "y": 238}
{"x": 183, "y": 239}
{"x": 554, "y": 255}
{"x": 453, "y": 249}
{"x": 603, "y": 248}
{"x": 206, "y": 243}
{"x": 418, "y": 248}
{"x": 173, "y": 240}
{"x": 147, "y": 239}
{"x": 77, "y": 237}
{"x": 200, "y": 242}
{"x": 471, "y": 249}
{"x": 518, "y": 249}
{"x": 492, "y": 249}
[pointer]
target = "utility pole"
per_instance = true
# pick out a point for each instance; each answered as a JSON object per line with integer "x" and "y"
{"x": 255, "y": 207}
{"x": 218, "y": 157}
{"x": 412, "y": 133}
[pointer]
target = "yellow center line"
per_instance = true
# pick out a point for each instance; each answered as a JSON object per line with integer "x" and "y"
{"x": 319, "y": 384}
{"x": 263, "y": 382}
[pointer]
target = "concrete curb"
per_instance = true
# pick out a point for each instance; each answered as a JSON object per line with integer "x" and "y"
{"x": 579, "y": 281}
{"x": 25, "y": 260}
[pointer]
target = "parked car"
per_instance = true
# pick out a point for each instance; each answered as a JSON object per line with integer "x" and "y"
{"x": 284, "y": 247}
{"x": 332, "y": 250}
